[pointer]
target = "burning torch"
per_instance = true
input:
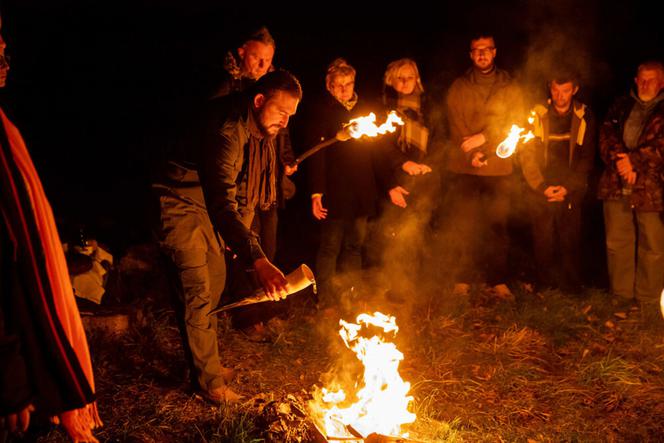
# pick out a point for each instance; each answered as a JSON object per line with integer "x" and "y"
{"x": 507, "y": 147}
{"x": 356, "y": 128}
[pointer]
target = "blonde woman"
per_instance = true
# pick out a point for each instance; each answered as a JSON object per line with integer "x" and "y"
{"x": 403, "y": 91}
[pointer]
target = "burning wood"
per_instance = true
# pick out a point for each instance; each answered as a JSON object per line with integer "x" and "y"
{"x": 382, "y": 403}
{"x": 356, "y": 128}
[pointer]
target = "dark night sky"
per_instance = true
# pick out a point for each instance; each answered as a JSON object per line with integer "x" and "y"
{"x": 96, "y": 86}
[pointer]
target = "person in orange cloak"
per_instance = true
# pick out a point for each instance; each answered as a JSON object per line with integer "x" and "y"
{"x": 45, "y": 366}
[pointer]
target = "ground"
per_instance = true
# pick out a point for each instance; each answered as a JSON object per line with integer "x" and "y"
{"x": 544, "y": 367}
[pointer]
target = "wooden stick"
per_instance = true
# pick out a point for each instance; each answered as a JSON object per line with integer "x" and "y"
{"x": 314, "y": 150}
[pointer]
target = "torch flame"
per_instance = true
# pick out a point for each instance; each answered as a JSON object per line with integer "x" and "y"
{"x": 507, "y": 147}
{"x": 366, "y": 125}
{"x": 382, "y": 403}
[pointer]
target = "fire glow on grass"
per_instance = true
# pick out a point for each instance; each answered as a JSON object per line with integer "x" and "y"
{"x": 507, "y": 147}
{"x": 383, "y": 400}
{"x": 366, "y": 125}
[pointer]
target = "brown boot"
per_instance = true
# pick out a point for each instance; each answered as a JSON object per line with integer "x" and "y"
{"x": 502, "y": 292}
{"x": 222, "y": 394}
{"x": 461, "y": 289}
{"x": 227, "y": 374}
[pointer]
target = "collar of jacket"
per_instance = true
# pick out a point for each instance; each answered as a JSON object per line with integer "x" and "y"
{"x": 579, "y": 110}
{"x": 501, "y": 76}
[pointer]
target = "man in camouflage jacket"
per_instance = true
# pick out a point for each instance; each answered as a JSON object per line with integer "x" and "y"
{"x": 632, "y": 148}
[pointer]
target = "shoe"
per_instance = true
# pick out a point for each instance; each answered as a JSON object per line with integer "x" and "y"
{"x": 222, "y": 394}
{"x": 502, "y": 292}
{"x": 461, "y": 289}
{"x": 227, "y": 374}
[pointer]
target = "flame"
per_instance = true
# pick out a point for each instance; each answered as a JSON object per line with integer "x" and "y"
{"x": 382, "y": 402}
{"x": 661, "y": 302}
{"x": 507, "y": 147}
{"x": 366, "y": 125}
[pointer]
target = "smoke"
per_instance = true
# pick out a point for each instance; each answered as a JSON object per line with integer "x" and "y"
{"x": 562, "y": 40}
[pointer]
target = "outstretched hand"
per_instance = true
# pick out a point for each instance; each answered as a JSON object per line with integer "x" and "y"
{"x": 317, "y": 207}
{"x": 412, "y": 168}
{"x": 398, "y": 196}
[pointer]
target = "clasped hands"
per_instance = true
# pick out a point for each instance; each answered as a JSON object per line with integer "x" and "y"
{"x": 625, "y": 169}
{"x": 555, "y": 193}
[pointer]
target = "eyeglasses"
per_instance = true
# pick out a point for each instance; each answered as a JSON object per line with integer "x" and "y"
{"x": 479, "y": 51}
{"x": 4, "y": 61}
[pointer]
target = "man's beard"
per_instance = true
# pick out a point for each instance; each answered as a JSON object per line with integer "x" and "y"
{"x": 264, "y": 130}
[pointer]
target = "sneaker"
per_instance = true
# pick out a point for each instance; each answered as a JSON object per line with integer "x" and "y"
{"x": 461, "y": 289}
{"x": 502, "y": 292}
{"x": 222, "y": 394}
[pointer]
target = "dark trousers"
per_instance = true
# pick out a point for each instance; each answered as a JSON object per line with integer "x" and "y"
{"x": 479, "y": 207}
{"x": 187, "y": 237}
{"x": 265, "y": 225}
{"x": 341, "y": 242}
{"x": 556, "y": 229}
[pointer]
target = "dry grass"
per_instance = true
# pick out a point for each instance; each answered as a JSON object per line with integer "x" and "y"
{"x": 547, "y": 367}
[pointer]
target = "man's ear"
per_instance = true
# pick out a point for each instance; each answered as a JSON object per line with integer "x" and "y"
{"x": 259, "y": 101}
{"x": 240, "y": 52}
{"x": 576, "y": 89}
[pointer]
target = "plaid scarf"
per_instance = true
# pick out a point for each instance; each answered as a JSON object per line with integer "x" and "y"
{"x": 350, "y": 104}
{"x": 262, "y": 169}
{"x": 414, "y": 134}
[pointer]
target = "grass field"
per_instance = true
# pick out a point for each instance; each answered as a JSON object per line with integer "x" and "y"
{"x": 545, "y": 367}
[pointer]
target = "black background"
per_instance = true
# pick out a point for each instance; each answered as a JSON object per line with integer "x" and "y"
{"x": 97, "y": 87}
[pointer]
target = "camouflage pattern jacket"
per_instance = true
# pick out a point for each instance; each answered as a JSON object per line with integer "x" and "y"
{"x": 647, "y": 157}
